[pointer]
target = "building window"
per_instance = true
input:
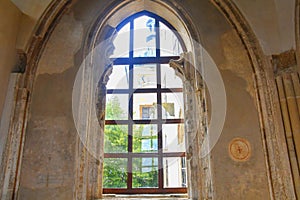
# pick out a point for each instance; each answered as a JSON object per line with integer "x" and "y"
{"x": 144, "y": 134}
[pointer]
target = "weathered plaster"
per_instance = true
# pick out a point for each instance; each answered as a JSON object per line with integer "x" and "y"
{"x": 232, "y": 179}
{"x": 269, "y": 19}
{"x": 63, "y": 44}
{"x": 48, "y": 167}
{"x": 237, "y": 60}
{"x": 211, "y": 24}
{"x": 274, "y": 144}
{"x": 48, "y": 161}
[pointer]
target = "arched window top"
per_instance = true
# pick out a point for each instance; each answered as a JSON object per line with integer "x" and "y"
{"x": 145, "y": 34}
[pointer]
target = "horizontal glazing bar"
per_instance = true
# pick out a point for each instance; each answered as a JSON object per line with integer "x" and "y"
{"x": 144, "y": 191}
{"x": 144, "y": 121}
{"x": 143, "y": 60}
{"x": 138, "y": 155}
{"x": 145, "y": 90}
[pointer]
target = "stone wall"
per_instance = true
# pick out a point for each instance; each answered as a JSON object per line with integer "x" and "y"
{"x": 288, "y": 86}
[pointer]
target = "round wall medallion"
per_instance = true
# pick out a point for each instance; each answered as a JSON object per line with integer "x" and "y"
{"x": 239, "y": 149}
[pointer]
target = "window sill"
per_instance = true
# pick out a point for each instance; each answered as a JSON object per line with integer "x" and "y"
{"x": 145, "y": 197}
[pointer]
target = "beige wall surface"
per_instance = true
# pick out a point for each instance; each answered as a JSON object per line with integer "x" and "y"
{"x": 32, "y": 8}
{"x": 9, "y": 24}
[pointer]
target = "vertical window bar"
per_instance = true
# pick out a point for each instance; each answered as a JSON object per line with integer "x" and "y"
{"x": 159, "y": 110}
{"x": 157, "y": 38}
{"x": 130, "y": 109}
{"x": 160, "y": 140}
{"x": 131, "y": 39}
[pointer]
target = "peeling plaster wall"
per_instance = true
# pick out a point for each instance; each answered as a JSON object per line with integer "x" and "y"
{"x": 48, "y": 161}
{"x": 233, "y": 179}
{"x": 49, "y": 156}
{"x": 270, "y": 20}
{"x": 59, "y": 53}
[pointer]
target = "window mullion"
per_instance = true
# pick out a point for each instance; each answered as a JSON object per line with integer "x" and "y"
{"x": 131, "y": 39}
{"x": 159, "y": 110}
{"x": 159, "y": 126}
{"x": 157, "y": 38}
{"x": 130, "y": 109}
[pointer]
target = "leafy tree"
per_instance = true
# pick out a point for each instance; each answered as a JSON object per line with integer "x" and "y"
{"x": 116, "y": 141}
{"x": 113, "y": 109}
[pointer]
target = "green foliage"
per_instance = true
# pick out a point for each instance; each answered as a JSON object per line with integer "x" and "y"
{"x": 113, "y": 109}
{"x": 115, "y": 173}
{"x": 145, "y": 173}
{"x": 137, "y": 139}
{"x": 149, "y": 136}
{"x": 116, "y": 136}
{"x": 116, "y": 141}
{"x": 145, "y": 180}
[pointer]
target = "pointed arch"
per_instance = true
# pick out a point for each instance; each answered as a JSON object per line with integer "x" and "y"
{"x": 103, "y": 32}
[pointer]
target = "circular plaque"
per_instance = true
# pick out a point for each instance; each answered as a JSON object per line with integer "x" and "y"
{"x": 239, "y": 149}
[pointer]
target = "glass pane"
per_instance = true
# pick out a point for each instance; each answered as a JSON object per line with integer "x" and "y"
{"x": 169, "y": 43}
{"x": 144, "y": 106}
{"x": 119, "y": 79}
{"x": 144, "y": 37}
{"x": 144, "y": 173}
{"x": 144, "y": 76}
{"x": 175, "y": 174}
{"x": 115, "y": 173}
{"x": 145, "y": 138}
{"x": 115, "y": 138}
{"x": 172, "y": 105}
{"x": 116, "y": 106}
{"x": 121, "y": 42}
{"x": 168, "y": 78}
{"x": 173, "y": 138}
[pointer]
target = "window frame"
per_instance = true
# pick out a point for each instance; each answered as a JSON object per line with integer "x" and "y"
{"x": 159, "y": 121}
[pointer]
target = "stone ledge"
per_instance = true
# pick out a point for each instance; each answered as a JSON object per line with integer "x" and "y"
{"x": 145, "y": 197}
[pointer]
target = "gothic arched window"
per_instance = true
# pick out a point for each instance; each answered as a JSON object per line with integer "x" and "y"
{"x": 144, "y": 149}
